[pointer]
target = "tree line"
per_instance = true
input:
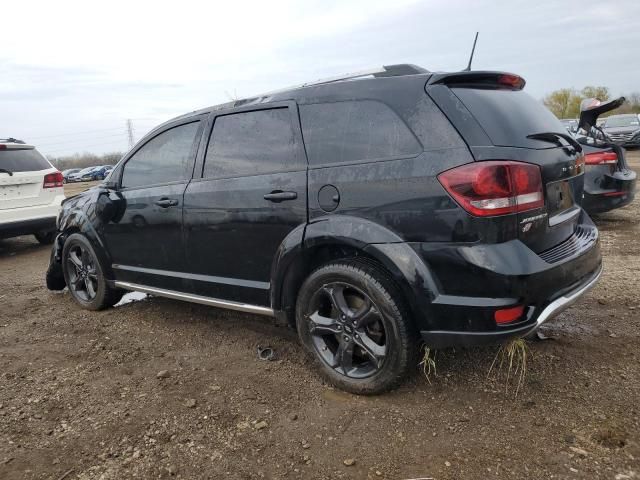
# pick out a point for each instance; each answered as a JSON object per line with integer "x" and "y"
{"x": 565, "y": 103}
{"x": 86, "y": 159}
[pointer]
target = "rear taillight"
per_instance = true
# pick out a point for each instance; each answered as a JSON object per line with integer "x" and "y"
{"x": 52, "y": 180}
{"x": 601, "y": 158}
{"x": 495, "y": 187}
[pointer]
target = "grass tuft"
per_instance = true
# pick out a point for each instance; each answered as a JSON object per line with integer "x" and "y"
{"x": 428, "y": 364}
{"x": 513, "y": 362}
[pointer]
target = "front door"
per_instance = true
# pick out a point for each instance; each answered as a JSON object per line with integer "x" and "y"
{"x": 252, "y": 193}
{"x": 145, "y": 240}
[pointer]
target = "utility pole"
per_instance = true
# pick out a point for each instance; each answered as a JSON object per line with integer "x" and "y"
{"x": 132, "y": 140}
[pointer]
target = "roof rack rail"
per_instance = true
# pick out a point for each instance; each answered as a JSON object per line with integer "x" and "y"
{"x": 384, "y": 71}
{"x": 11, "y": 140}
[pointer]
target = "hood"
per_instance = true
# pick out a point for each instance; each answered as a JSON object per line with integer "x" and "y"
{"x": 592, "y": 108}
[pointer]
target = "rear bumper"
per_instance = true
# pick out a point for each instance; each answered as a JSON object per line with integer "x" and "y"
{"x": 27, "y": 227}
{"x": 28, "y": 220}
{"x": 440, "y": 339}
{"x": 604, "y": 191}
{"x": 469, "y": 283}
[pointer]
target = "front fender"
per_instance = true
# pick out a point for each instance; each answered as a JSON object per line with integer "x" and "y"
{"x": 82, "y": 214}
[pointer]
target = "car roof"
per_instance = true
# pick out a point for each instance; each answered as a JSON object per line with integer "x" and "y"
{"x": 318, "y": 89}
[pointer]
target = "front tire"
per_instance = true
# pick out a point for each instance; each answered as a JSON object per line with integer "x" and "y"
{"x": 84, "y": 275}
{"x": 352, "y": 320}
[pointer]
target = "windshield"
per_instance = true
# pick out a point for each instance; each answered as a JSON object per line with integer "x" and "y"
{"x": 626, "y": 121}
{"x": 23, "y": 161}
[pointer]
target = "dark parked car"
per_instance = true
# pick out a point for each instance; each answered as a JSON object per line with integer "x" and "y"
{"x": 70, "y": 171}
{"x": 571, "y": 124}
{"x": 83, "y": 175}
{"x": 608, "y": 183}
{"x": 368, "y": 212}
{"x": 623, "y": 130}
{"x": 100, "y": 173}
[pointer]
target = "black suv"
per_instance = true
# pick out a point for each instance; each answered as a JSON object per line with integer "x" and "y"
{"x": 368, "y": 211}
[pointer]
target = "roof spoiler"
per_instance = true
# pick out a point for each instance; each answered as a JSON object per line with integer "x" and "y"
{"x": 592, "y": 108}
{"x": 479, "y": 79}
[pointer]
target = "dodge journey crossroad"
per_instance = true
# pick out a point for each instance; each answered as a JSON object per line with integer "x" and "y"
{"x": 371, "y": 212}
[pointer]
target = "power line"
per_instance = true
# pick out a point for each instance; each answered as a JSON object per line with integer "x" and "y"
{"x": 45, "y": 145}
{"x": 79, "y": 133}
{"x": 73, "y": 134}
{"x": 85, "y": 146}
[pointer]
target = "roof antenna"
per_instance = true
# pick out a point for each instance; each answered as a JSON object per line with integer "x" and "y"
{"x": 473, "y": 50}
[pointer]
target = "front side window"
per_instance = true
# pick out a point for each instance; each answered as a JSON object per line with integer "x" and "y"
{"x": 353, "y": 131}
{"x": 251, "y": 143}
{"x": 163, "y": 159}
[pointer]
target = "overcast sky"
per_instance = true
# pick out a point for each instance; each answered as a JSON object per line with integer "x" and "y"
{"x": 72, "y": 72}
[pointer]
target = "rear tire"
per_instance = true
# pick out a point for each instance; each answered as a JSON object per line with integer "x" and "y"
{"x": 84, "y": 275}
{"x": 45, "y": 238}
{"x": 352, "y": 321}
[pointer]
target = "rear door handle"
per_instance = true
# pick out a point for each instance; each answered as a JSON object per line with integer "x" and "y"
{"x": 280, "y": 196}
{"x": 166, "y": 202}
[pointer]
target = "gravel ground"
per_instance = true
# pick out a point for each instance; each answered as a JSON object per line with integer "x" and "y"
{"x": 162, "y": 389}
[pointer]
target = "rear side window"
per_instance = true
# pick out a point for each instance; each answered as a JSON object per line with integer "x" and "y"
{"x": 251, "y": 143}
{"x": 352, "y": 131}
{"x": 163, "y": 159}
{"x": 508, "y": 116}
{"x": 23, "y": 161}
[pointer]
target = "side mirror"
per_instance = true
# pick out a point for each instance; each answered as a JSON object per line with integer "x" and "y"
{"x": 110, "y": 206}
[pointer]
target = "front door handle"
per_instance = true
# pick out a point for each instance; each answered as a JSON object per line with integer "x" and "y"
{"x": 280, "y": 196}
{"x": 166, "y": 202}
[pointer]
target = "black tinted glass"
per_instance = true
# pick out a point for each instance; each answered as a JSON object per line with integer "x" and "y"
{"x": 251, "y": 143}
{"x": 23, "y": 161}
{"x": 163, "y": 159}
{"x": 509, "y": 116}
{"x": 352, "y": 131}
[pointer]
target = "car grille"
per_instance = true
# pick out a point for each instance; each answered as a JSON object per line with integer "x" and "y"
{"x": 621, "y": 137}
{"x": 581, "y": 239}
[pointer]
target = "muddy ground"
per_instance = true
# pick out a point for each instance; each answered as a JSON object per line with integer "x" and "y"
{"x": 80, "y": 395}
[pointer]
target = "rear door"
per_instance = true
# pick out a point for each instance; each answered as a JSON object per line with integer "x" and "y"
{"x": 22, "y": 172}
{"x": 252, "y": 192}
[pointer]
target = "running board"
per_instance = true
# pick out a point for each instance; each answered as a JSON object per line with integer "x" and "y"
{"x": 188, "y": 297}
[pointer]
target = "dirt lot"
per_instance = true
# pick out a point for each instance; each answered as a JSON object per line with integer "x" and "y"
{"x": 80, "y": 395}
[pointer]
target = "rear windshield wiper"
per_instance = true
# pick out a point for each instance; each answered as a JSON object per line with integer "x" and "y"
{"x": 556, "y": 138}
{"x": 6, "y": 171}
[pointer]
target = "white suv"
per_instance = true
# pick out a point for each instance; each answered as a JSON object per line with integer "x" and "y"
{"x": 31, "y": 191}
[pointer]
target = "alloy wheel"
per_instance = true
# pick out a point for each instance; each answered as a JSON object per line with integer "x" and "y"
{"x": 348, "y": 330}
{"x": 83, "y": 275}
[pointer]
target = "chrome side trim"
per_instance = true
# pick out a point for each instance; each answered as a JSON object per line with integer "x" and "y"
{"x": 565, "y": 301}
{"x": 188, "y": 297}
{"x": 194, "y": 276}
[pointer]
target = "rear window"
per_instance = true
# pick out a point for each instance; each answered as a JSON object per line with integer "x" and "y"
{"x": 23, "y": 161}
{"x": 351, "y": 131}
{"x": 508, "y": 116}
